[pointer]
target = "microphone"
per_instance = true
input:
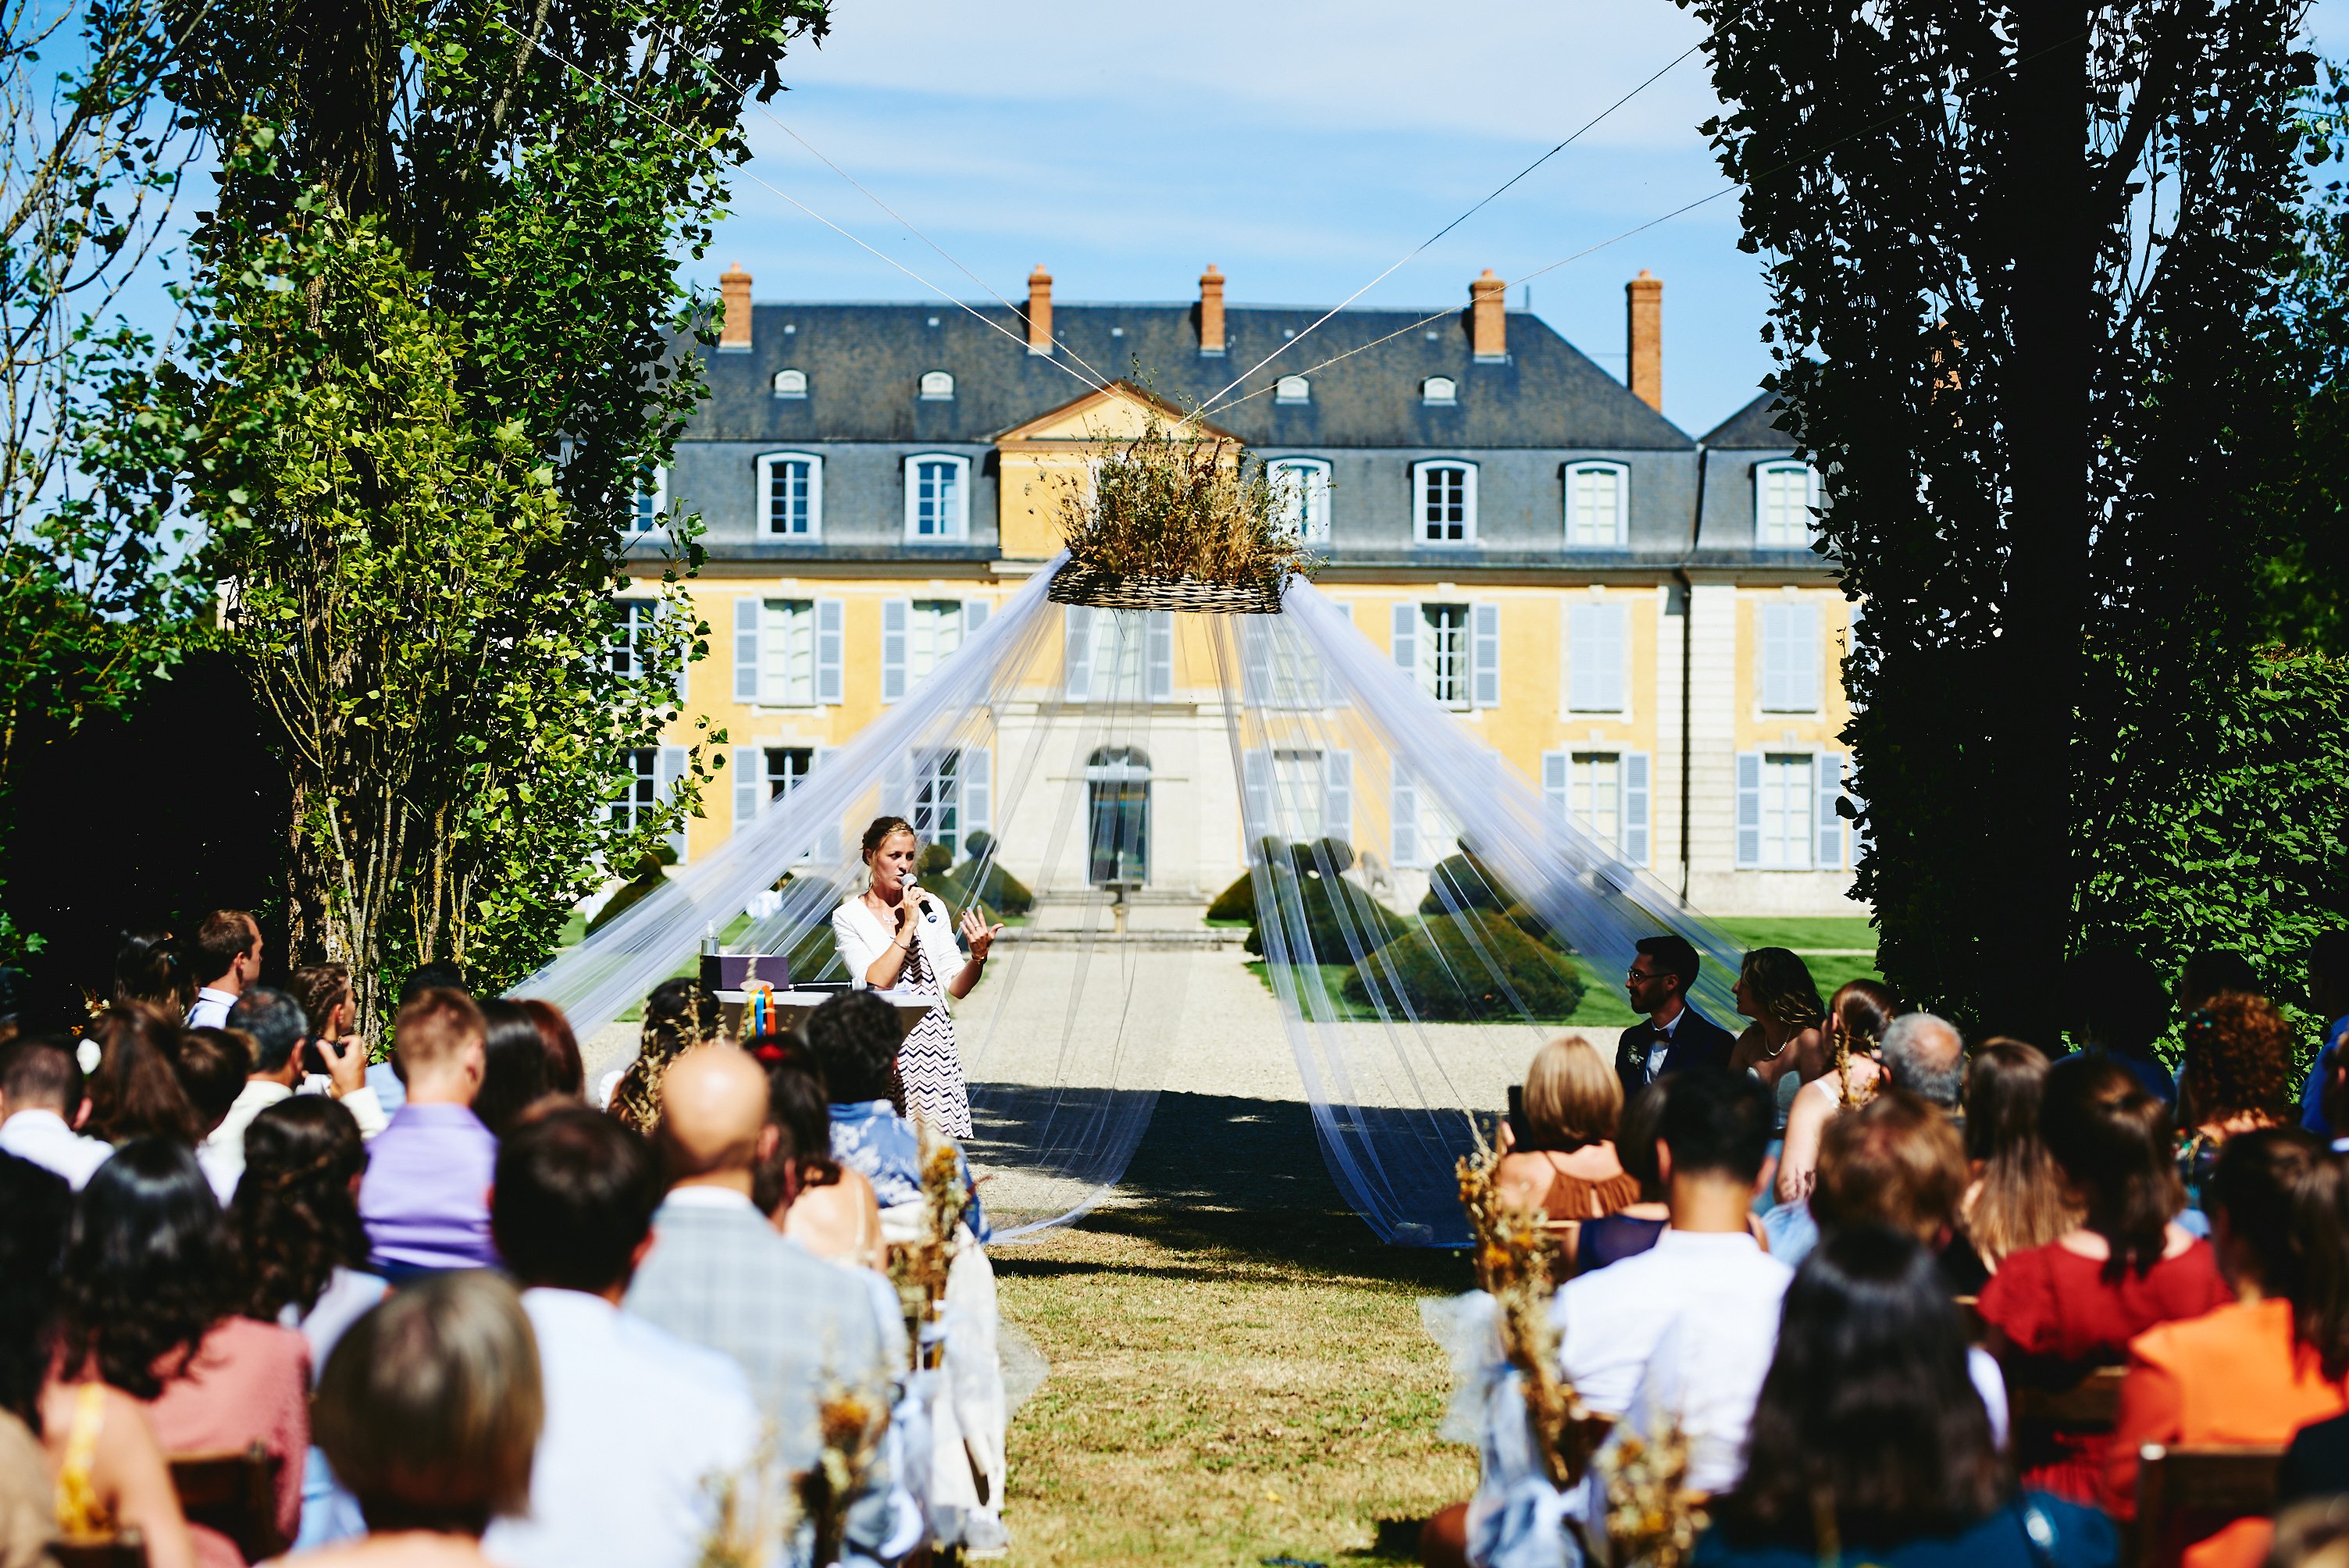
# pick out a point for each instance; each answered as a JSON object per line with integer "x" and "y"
{"x": 929, "y": 908}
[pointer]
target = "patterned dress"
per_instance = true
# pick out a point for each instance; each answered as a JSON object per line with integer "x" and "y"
{"x": 929, "y": 1064}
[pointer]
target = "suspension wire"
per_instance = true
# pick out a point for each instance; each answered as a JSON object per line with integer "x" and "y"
{"x": 1098, "y": 386}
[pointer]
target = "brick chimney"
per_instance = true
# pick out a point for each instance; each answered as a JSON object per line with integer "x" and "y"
{"x": 734, "y": 292}
{"x": 1488, "y": 329}
{"x": 1039, "y": 310}
{"x": 1643, "y": 299}
{"x": 1211, "y": 311}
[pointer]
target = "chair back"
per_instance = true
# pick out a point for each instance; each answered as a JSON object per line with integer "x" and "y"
{"x": 235, "y": 1494}
{"x": 127, "y": 1550}
{"x": 2091, "y": 1405}
{"x": 2185, "y": 1487}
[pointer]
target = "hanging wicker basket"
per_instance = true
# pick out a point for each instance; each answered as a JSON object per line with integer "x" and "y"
{"x": 1077, "y": 583}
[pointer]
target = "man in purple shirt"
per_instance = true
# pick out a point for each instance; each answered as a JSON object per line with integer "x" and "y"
{"x": 426, "y": 1196}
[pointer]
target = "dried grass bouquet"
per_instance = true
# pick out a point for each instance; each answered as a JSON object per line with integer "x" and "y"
{"x": 1175, "y": 502}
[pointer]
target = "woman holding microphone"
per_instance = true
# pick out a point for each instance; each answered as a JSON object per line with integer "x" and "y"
{"x": 894, "y": 936}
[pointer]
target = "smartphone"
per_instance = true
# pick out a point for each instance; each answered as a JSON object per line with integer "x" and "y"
{"x": 314, "y": 1059}
{"x": 1518, "y": 1129}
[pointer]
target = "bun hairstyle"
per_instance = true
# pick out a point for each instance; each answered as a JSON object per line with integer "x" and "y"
{"x": 883, "y": 829}
{"x": 150, "y": 968}
{"x": 1865, "y": 1009}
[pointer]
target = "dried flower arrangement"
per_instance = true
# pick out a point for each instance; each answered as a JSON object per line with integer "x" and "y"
{"x": 918, "y": 1268}
{"x": 1652, "y": 1519}
{"x": 1173, "y": 516}
{"x": 746, "y": 1523}
{"x": 850, "y": 1426}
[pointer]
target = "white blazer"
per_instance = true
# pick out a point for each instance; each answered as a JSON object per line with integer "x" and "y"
{"x": 862, "y": 937}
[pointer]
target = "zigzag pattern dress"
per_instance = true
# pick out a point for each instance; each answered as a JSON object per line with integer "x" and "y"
{"x": 929, "y": 1067}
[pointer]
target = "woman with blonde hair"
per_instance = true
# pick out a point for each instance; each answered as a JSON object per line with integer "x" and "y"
{"x": 2016, "y": 1197}
{"x": 1568, "y": 1166}
{"x": 1785, "y": 1046}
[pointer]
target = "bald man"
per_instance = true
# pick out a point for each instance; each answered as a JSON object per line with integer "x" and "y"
{"x": 719, "y": 1274}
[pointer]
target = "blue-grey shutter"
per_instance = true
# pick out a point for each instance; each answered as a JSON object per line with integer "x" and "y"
{"x": 1635, "y": 808}
{"x": 1333, "y": 694}
{"x": 1790, "y": 658}
{"x": 1830, "y": 786}
{"x": 1077, "y": 678}
{"x": 672, "y": 767}
{"x": 1804, "y": 633}
{"x": 828, "y": 850}
{"x": 1338, "y": 796}
{"x": 977, "y": 798}
{"x": 1610, "y": 619}
{"x": 974, "y": 616}
{"x": 831, "y": 639}
{"x": 1554, "y": 784}
{"x": 1776, "y": 688}
{"x": 1158, "y": 630}
{"x": 1595, "y": 658}
{"x": 894, "y": 613}
{"x": 1256, "y": 779}
{"x": 746, "y": 650}
{"x": 749, "y": 782}
{"x": 1484, "y": 639}
{"x": 1749, "y": 809}
{"x": 1406, "y": 639}
{"x": 1403, "y": 824}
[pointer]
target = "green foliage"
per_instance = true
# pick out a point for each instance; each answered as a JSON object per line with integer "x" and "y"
{"x": 1467, "y": 881}
{"x": 1001, "y": 891}
{"x": 1470, "y": 968}
{"x": 1237, "y": 901}
{"x": 1338, "y": 916}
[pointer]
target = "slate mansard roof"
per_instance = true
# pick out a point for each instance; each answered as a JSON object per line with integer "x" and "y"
{"x": 864, "y": 363}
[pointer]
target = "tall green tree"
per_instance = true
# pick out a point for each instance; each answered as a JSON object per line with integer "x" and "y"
{"x": 464, "y": 218}
{"x": 2028, "y": 265}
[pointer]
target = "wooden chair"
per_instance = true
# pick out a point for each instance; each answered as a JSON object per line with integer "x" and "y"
{"x": 1970, "y": 1309}
{"x": 2182, "y": 1488}
{"x": 127, "y": 1550}
{"x": 2091, "y": 1405}
{"x": 235, "y": 1493}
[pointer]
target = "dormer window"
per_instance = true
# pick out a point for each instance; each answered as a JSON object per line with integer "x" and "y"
{"x": 790, "y": 383}
{"x": 937, "y": 387}
{"x": 1293, "y": 390}
{"x": 1439, "y": 391}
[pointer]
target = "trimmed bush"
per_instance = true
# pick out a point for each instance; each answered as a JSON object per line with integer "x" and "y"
{"x": 1329, "y": 903}
{"x": 1237, "y": 901}
{"x": 1440, "y": 971}
{"x": 1472, "y": 883}
{"x": 1004, "y": 894}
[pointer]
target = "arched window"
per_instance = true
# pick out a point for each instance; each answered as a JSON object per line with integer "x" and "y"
{"x": 1302, "y": 486}
{"x": 1293, "y": 390}
{"x": 1784, "y": 494}
{"x": 1597, "y": 505}
{"x": 938, "y": 499}
{"x": 936, "y": 386}
{"x": 790, "y": 496}
{"x": 790, "y": 383}
{"x": 1439, "y": 389}
{"x": 1117, "y": 779}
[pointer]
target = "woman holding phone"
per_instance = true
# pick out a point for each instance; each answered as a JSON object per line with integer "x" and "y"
{"x": 896, "y": 936}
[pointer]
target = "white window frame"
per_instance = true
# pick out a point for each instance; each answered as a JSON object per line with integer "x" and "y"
{"x": 1619, "y": 535}
{"x": 767, "y": 529}
{"x": 1292, "y": 390}
{"x": 638, "y": 527}
{"x": 1439, "y": 392}
{"x": 937, "y": 386}
{"x": 961, "y": 521}
{"x": 1312, "y": 481}
{"x": 1420, "y": 472}
{"x": 1763, "y": 473}
{"x": 791, "y": 383}
{"x": 637, "y": 613}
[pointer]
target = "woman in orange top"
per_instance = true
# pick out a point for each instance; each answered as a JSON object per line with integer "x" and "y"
{"x": 2259, "y": 1370}
{"x": 1569, "y": 1167}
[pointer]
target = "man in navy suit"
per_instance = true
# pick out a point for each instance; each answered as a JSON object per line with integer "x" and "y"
{"x": 1676, "y": 1037}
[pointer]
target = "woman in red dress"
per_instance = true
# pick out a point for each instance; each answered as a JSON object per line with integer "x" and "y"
{"x": 2055, "y": 1312}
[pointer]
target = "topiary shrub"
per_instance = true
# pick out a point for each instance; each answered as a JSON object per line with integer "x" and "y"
{"x": 1471, "y": 883}
{"x": 1004, "y": 894}
{"x": 1330, "y": 903}
{"x": 934, "y": 859}
{"x": 648, "y": 875}
{"x": 1440, "y": 971}
{"x": 1237, "y": 901}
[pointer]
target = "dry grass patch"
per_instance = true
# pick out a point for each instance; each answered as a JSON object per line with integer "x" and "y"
{"x": 1212, "y": 1401}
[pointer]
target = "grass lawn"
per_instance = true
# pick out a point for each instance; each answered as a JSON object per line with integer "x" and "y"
{"x": 1828, "y": 935}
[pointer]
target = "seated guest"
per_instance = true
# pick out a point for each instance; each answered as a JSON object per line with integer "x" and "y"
{"x": 226, "y": 957}
{"x": 641, "y": 1427}
{"x": 1567, "y": 1170}
{"x": 27, "y": 1503}
{"x": 2259, "y": 1370}
{"x": 513, "y": 1065}
{"x": 425, "y": 1197}
{"x": 102, "y": 1472}
{"x": 720, "y": 1276}
{"x": 1706, "y": 1265}
{"x": 429, "y": 1411}
{"x": 2055, "y": 1311}
{"x": 1784, "y": 1046}
{"x": 1673, "y": 1035}
{"x": 2015, "y": 1200}
{"x": 2119, "y": 1009}
{"x": 296, "y": 1219}
{"x": 2328, "y": 997}
{"x": 679, "y": 1015}
{"x": 41, "y": 1104}
{"x": 133, "y": 1093}
{"x": 2316, "y": 1464}
{"x": 212, "y": 1065}
{"x": 816, "y": 1200}
{"x": 2235, "y": 1076}
{"x": 1633, "y": 1228}
{"x": 853, "y": 1039}
{"x": 2210, "y": 973}
{"x": 148, "y": 1306}
{"x": 1869, "y": 1443}
{"x": 1858, "y": 1015}
{"x": 565, "y": 1073}
{"x": 1927, "y": 1057}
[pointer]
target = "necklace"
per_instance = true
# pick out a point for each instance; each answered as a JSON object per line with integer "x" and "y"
{"x": 1774, "y": 1056}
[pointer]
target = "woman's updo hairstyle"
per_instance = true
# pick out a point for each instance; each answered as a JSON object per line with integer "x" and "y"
{"x": 883, "y": 829}
{"x": 1782, "y": 988}
{"x": 1865, "y": 1009}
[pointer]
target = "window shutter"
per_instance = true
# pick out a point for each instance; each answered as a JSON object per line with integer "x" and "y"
{"x": 1595, "y": 658}
{"x": 1749, "y": 809}
{"x": 1610, "y": 619}
{"x": 1402, "y": 823}
{"x": 1485, "y": 634}
{"x": 977, "y": 798}
{"x": 1256, "y": 661}
{"x": 1256, "y": 777}
{"x": 1078, "y": 660}
{"x": 746, "y": 650}
{"x": 1338, "y": 796}
{"x": 1554, "y": 785}
{"x": 830, "y": 634}
{"x": 1333, "y": 694}
{"x": 974, "y": 616}
{"x": 1790, "y": 658}
{"x": 1830, "y": 784}
{"x": 828, "y": 850}
{"x": 898, "y": 787}
{"x": 1804, "y": 623}
{"x": 1635, "y": 808}
{"x": 1159, "y": 629}
{"x": 1406, "y": 639}
{"x": 1775, "y": 661}
{"x": 672, "y": 768}
{"x": 895, "y": 615}
{"x": 748, "y": 784}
